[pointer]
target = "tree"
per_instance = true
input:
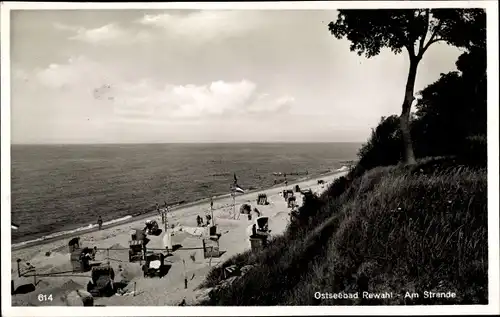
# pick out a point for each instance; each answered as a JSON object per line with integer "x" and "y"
{"x": 413, "y": 30}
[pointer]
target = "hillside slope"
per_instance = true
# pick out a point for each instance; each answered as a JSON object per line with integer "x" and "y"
{"x": 394, "y": 229}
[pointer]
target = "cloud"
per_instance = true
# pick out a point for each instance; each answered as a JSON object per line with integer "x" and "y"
{"x": 64, "y": 27}
{"x": 196, "y": 27}
{"x": 216, "y": 98}
{"x": 212, "y": 100}
{"x": 109, "y": 34}
{"x": 146, "y": 98}
{"x": 77, "y": 73}
{"x": 265, "y": 103}
{"x": 208, "y": 25}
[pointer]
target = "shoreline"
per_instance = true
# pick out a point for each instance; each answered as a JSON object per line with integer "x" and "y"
{"x": 129, "y": 218}
{"x": 51, "y": 258}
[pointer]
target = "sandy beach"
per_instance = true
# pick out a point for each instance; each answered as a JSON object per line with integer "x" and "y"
{"x": 52, "y": 256}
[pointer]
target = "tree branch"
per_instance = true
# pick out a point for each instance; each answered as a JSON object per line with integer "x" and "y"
{"x": 432, "y": 39}
{"x": 424, "y": 35}
{"x": 429, "y": 44}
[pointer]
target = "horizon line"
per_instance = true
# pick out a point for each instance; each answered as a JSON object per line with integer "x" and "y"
{"x": 198, "y": 142}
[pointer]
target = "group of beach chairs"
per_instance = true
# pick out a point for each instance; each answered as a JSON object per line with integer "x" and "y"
{"x": 290, "y": 198}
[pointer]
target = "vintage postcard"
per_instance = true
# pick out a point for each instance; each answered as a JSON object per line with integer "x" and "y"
{"x": 293, "y": 157}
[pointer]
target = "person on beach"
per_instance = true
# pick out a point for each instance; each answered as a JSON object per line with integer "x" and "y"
{"x": 99, "y": 222}
{"x": 208, "y": 219}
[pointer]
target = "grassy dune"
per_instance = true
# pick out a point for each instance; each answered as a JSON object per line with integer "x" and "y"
{"x": 393, "y": 229}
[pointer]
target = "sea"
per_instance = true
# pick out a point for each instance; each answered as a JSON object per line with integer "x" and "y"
{"x": 64, "y": 188}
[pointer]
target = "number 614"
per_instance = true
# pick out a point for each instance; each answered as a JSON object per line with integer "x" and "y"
{"x": 44, "y": 297}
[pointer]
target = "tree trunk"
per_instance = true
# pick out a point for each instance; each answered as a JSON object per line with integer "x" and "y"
{"x": 404, "y": 119}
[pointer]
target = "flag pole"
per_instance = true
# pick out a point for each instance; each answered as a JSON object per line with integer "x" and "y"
{"x": 233, "y": 192}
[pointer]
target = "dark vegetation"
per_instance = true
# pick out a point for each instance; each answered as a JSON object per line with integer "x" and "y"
{"x": 413, "y": 31}
{"x": 450, "y": 120}
{"x": 388, "y": 226}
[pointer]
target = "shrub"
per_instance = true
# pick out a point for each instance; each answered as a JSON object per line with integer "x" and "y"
{"x": 384, "y": 147}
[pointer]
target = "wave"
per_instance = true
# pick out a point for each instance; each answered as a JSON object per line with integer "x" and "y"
{"x": 221, "y": 174}
{"x": 66, "y": 232}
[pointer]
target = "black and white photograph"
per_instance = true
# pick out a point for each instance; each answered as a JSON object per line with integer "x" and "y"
{"x": 309, "y": 157}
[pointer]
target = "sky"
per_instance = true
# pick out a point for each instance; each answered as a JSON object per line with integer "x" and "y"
{"x": 132, "y": 76}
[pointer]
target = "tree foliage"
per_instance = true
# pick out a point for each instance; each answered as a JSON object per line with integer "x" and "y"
{"x": 451, "y": 118}
{"x": 371, "y": 30}
{"x": 415, "y": 30}
{"x": 452, "y": 112}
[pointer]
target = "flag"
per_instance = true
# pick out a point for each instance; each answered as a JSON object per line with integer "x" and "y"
{"x": 238, "y": 189}
{"x": 14, "y": 226}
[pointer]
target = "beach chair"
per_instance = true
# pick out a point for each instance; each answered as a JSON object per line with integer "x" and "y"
{"x": 262, "y": 199}
{"x": 81, "y": 258}
{"x": 102, "y": 281}
{"x": 152, "y": 227}
{"x": 137, "y": 250}
{"x": 262, "y": 226}
{"x": 211, "y": 247}
{"x": 155, "y": 265}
